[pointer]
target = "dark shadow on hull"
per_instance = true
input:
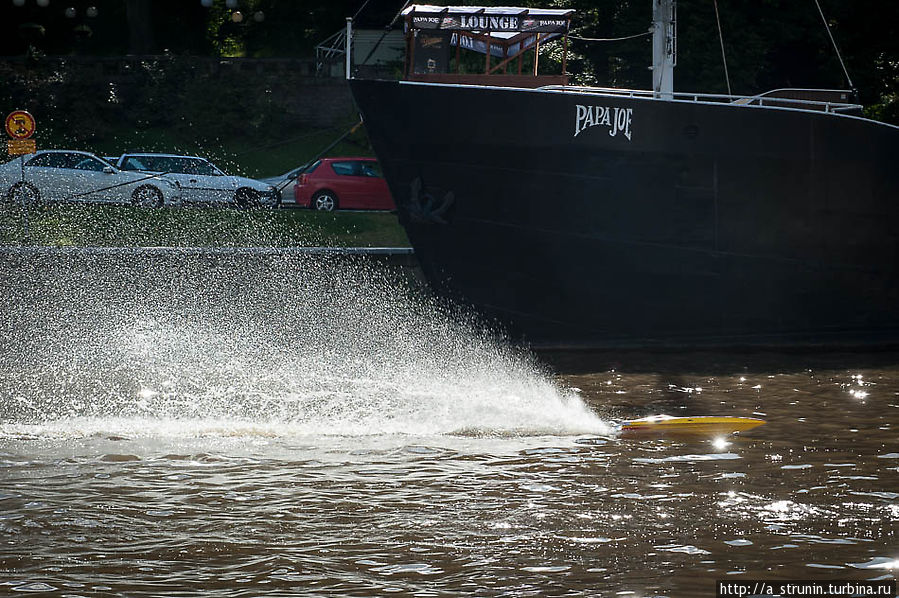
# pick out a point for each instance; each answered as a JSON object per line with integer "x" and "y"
{"x": 678, "y": 224}
{"x": 721, "y": 362}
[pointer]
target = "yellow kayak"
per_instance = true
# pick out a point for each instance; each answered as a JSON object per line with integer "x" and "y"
{"x": 668, "y": 425}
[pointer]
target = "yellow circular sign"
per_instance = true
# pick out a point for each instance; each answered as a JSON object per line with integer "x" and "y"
{"x": 20, "y": 125}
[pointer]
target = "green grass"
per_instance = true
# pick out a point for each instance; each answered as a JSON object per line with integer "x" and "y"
{"x": 126, "y": 226}
{"x": 80, "y": 225}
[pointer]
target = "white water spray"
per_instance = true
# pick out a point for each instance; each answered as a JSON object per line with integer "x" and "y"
{"x": 258, "y": 346}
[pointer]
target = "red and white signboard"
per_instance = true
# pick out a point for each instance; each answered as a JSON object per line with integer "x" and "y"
{"x": 20, "y": 126}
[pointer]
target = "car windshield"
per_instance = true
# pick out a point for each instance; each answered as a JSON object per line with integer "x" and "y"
{"x": 88, "y": 163}
{"x": 174, "y": 164}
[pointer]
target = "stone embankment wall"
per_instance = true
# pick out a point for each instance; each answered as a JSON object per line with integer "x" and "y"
{"x": 83, "y": 98}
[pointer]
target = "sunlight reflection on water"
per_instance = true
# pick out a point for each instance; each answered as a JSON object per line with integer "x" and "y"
{"x": 174, "y": 436}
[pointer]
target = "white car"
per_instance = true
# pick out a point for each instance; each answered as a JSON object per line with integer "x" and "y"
{"x": 201, "y": 181}
{"x": 70, "y": 175}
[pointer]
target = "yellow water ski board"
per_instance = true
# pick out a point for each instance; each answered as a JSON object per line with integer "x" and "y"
{"x": 668, "y": 425}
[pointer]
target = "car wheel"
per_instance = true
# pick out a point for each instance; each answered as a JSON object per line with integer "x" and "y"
{"x": 246, "y": 198}
{"x": 147, "y": 196}
{"x": 23, "y": 192}
{"x": 324, "y": 201}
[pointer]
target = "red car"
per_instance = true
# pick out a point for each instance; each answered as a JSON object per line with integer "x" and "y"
{"x": 345, "y": 183}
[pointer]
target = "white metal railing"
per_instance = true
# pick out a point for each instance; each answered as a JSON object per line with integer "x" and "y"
{"x": 330, "y": 50}
{"x": 763, "y": 99}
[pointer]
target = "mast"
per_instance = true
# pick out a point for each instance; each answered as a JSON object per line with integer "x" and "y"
{"x": 349, "y": 48}
{"x": 664, "y": 47}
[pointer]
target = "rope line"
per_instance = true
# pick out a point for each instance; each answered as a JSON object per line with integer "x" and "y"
{"x": 281, "y": 186}
{"x": 609, "y": 39}
{"x": 361, "y": 8}
{"x": 723, "y": 56}
{"x": 136, "y": 182}
{"x": 282, "y": 141}
{"x": 836, "y": 49}
{"x": 386, "y": 31}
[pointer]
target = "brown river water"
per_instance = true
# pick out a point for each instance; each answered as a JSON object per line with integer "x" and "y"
{"x": 177, "y": 424}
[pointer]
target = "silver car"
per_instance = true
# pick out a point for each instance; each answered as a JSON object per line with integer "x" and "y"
{"x": 201, "y": 181}
{"x": 284, "y": 183}
{"x": 71, "y": 175}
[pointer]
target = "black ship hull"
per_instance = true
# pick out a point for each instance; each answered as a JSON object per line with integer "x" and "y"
{"x": 590, "y": 220}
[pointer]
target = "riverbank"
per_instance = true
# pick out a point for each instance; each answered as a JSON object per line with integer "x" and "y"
{"x": 80, "y": 225}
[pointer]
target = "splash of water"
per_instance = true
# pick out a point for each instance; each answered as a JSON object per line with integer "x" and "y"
{"x": 189, "y": 345}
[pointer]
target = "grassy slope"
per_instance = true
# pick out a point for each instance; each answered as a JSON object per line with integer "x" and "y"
{"x": 109, "y": 226}
{"x": 252, "y": 157}
{"x": 126, "y": 226}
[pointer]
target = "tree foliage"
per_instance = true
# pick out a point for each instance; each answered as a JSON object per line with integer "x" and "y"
{"x": 768, "y": 43}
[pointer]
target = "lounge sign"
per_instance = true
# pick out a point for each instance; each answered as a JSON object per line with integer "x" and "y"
{"x": 491, "y": 22}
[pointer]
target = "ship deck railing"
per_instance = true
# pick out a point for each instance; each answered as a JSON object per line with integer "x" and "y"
{"x": 824, "y": 100}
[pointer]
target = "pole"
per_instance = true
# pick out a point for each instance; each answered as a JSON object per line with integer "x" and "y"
{"x": 411, "y": 54}
{"x": 663, "y": 48}
{"x": 349, "y": 48}
{"x": 25, "y": 224}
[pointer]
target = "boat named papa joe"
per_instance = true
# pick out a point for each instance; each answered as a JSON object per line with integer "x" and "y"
{"x": 588, "y": 217}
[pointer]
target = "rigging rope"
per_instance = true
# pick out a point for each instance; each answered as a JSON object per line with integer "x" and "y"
{"x": 155, "y": 175}
{"x": 609, "y": 39}
{"x": 386, "y": 30}
{"x": 723, "y": 56}
{"x": 832, "y": 41}
{"x": 361, "y": 8}
{"x": 280, "y": 187}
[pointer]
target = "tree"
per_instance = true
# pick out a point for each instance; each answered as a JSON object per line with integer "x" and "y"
{"x": 140, "y": 26}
